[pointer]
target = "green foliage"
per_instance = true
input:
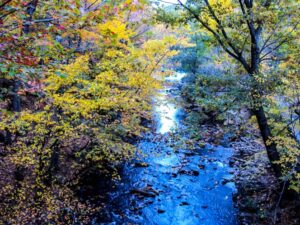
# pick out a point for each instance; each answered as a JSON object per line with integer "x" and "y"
{"x": 171, "y": 16}
{"x": 192, "y": 56}
{"x": 262, "y": 39}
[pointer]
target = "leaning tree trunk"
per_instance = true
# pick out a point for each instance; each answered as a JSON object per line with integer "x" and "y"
{"x": 257, "y": 94}
{"x": 266, "y": 134}
{"x": 262, "y": 120}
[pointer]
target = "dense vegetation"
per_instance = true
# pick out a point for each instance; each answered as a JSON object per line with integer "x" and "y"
{"x": 257, "y": 68}
{"x": 77, "y": 76}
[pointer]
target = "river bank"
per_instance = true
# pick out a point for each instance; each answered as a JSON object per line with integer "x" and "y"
{"x": 258, "y": 198}
{"x": 187, "y": 172}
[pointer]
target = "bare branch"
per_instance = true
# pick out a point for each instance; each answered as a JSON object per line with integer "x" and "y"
{"x": 274, "y": 49}
{"x": 246, "y": 16}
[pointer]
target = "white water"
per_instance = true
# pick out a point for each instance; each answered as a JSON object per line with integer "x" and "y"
{"x": 165, "y": 109}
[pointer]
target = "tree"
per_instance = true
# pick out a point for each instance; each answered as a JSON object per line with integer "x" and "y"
{"x": 86, "y": 76}
{"x": 250, "y": 32}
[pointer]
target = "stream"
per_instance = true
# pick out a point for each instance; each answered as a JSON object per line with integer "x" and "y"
{"x": 169, "y": 185}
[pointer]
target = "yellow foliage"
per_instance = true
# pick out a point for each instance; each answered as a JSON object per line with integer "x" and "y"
{"x": 114, "y": 29}
{"x": 97, "y": 96}
{"x": 88, "y": 35}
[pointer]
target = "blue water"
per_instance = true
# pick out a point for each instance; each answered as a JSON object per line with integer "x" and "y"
{"x": 186, "y": 184}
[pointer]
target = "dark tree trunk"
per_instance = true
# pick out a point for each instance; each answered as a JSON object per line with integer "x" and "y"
{"x": 6, "y": 137}
{"x": 257, "y": 92}
{"x": 31, "y": 7}
{"x": 262, "y": 120}
{"x": 16, "y": 100}
{"x": 265, "y": 131}
{"x": 5, "y": 83}
{"x": 14, "y": 86}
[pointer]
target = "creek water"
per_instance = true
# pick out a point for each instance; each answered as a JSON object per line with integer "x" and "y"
{"x": 169, "y": 185}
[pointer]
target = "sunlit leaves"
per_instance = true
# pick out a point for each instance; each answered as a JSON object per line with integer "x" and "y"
{"x": 87, "y": 79}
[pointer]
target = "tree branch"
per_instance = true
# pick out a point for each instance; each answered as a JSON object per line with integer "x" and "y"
{"x": 273, "y": 49}
{"x": 222, "y": 29}
{"x": 5, "y": 3}
{"x": 235, "y": 55}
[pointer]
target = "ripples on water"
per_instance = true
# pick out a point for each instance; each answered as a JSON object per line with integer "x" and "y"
{"x": 183, "y": 199}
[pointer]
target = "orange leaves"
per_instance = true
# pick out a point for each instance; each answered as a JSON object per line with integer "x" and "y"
{"x": 88, "y": 35}
{"x": 27, "y": 60}
{"x": 21, "y": 56}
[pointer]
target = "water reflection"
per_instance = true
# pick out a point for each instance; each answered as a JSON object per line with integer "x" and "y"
{"x": 165, "y": 110}
{"x": 177, "y": 77}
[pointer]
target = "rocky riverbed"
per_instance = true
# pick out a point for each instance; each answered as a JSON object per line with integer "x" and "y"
{"x": 174, "y": 179}
{"x": 186, "y": 173}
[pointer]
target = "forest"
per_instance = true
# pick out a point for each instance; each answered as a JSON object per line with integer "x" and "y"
{"x": 163, "y": 112}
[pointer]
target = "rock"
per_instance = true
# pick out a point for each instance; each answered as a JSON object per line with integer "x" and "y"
{"x": 141, "y": 196}
{"x": 190, "y": 172}
{"x": 150, "y": 202}
{"x": 190, "y": 153}
{"x": 184, "y": 203}
{"x": 225, "y": 181}
{"x": 231, "y": 162}
{"x": 197, "y": 215}
{"x": 140, "y": 164}
{"x": 145, "y": 192}
{"x": 201, "y": 166}
{"x": 202, "y": 144}
{"x": 161, "y": 211}
{"x": 211, "y": 140}
{"x": 231, "y": 171}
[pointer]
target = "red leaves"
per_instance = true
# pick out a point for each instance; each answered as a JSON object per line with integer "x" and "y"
{"x": 24, "y": 3}
{"x": 60, "y": 27}
{"x": 27, "y": 60}
{"x": 16, "y": 50}
{"x": 25, "y": 57}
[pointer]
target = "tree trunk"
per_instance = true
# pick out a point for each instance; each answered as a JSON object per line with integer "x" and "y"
{"x": 16, "y": 100}
{"x": 257, "y": 94}
{"x": 265, "y": 131}
{"x": 31, "y": 7}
